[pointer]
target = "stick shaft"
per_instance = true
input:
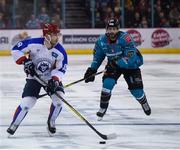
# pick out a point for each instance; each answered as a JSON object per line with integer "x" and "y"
{"x": 74, "y": 110}
{"x": 72, "y": 83}
{"x": 95, "y": 74}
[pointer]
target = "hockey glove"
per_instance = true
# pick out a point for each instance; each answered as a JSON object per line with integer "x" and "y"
{"x": 88, "y": 75}
{"x": 29, "y": 67}
{"x": 53, "y": 86}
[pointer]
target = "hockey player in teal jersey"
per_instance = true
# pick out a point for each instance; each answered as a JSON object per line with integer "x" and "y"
{"x": 123, "y": 59}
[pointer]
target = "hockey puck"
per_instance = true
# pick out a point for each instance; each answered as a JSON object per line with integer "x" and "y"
{"x": 102, "y": 142}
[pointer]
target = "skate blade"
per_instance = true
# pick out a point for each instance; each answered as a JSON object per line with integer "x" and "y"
{"x": 100, "y": 118}
{"x": 9, "y": 135}
{"x": 50, "y": 134}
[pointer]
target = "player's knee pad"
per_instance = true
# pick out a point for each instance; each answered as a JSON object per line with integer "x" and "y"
{"x": 138, "y": 93}
{"x": 28, "y": 102}
{"x": 108, "y": 83}
{"x": 56, "y": 100}
{"x": 54, "y": 112}
{"x": 134, "y": 79}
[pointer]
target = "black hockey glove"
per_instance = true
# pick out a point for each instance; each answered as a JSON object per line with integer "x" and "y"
{"x": 88, "y": 75}
{"x": 53, "y": 86}
{"x": 29, "y": 67}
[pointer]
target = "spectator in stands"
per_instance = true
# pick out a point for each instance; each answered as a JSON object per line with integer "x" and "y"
{"x": 129, "y": 14}
{"x": 98, "y": 16}
{"x": 166, "y": 6}
{"x": 56, "y": 20}
{"x": 158, "y": 13}
{"x": 5, "y": 10}
{"x": 144, "y": 22}
{"x": 3, "y": 6}
{"x": 117, "y": 9}
{"x": 43, "y": 16}
{"x": 164, "y": 23}
{"x": 174, "y": 16}
{"x": 2, "y": 22}
{"x": 142, "y": 7}
{"x": 137, "y": 20}
{"x": 33, "y": 23}
{"x": 103, "y": 9}
{"x": 24, "y": 8}
{"x": 166, "y": 13}
{"x": 19, "y": 37}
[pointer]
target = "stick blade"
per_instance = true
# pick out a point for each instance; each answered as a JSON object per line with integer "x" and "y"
{"x": 111, "y": 136}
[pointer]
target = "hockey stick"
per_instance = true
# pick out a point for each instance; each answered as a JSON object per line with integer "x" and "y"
{"x": 72, "y": 83}
{"x": 103, "y": 136}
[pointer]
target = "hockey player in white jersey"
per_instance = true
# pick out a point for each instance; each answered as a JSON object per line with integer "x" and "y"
{"x": 47, "y": 59}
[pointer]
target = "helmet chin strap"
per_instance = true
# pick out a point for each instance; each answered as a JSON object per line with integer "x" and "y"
{"x": 49, "y": 45}
{"x": 48, "y": 40}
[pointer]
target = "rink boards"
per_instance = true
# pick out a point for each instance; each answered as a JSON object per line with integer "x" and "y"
{"x": 81, "y": 41}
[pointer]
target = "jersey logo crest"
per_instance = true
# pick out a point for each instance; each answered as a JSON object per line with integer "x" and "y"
{"x": 43, "y": 66}
{"x": 128, "y": 38}
{"x": 130, "y": 53}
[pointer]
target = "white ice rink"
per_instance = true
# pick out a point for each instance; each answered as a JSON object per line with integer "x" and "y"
{"x": 161, "y": 130}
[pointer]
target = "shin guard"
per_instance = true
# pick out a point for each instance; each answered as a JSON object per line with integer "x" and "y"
{"x": 105, "y": 97}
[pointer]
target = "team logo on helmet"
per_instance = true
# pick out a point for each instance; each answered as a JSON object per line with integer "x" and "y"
{"x": 113, "y": 22}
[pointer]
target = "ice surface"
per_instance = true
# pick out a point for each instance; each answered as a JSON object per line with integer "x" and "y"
{"x": 161, "y": 130}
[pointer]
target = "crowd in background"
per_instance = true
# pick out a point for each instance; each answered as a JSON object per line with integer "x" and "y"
{"x": 137, "y": 13}
{"x": 47, "y": 11}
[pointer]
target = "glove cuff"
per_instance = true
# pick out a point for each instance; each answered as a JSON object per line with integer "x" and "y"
{"x": 21, "y": 60}
{"x": 92, "y": 69}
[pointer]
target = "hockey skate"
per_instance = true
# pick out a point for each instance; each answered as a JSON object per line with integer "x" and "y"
{"x": 51, "y": 127}
{"x": 101, "y": 113}
{"x": 146, "y": 107}
{"x": 12, "y": 129}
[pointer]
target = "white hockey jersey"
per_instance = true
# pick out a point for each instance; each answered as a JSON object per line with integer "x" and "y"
{"x": 48, "y": 62}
